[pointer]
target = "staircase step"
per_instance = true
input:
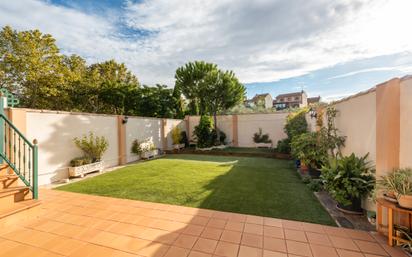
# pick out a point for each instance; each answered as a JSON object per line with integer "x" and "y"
{"x": 5, "y": 170}
{"x": 19, "y": 207}
{"x": 8, "y": 181}
{"x": 9, "y": 196}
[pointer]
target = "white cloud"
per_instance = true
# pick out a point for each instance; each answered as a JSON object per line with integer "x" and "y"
{"x": 262, "y": 40}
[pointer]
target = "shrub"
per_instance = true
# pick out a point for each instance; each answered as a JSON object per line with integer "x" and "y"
{"x": 315, "y": 185}
{"x": 283, "y": 146}
{"x": 204, "y": 132}
{"x": 296, "y": 123}
{"x": 136, "y": 149}
{"x": 306, "y": 179}
{"x": 259, "y": 137}
{"x": 222, "y": 137}
{"x": 93, "y": 146}
{"x": 310, "y": 149}
{"x": 348, "y": 178}
{"x": 176, "y": 135}
{"x": 79, "y": 161}
{"x": 184, "y": 139}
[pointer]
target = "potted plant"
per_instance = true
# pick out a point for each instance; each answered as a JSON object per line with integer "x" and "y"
{"x": 398, "y": 187}
{"x": 310, "y": 149}
{"x": 262, "y": 140}
{"x": 177, "y": 139}
{"x": 93, "y": 148}
{"x": 348, "y": 179}
{"x": 148, "y": 149}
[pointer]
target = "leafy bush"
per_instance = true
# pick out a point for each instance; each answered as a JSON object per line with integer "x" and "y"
{"x": 315, "y": 185}
{"x": 93, "y": 146}
{"x": 176, "y": 135}
{"x": 184, "y": 139}
{"x": 348, "y": 178}
{"x": 296, "y": 123}
{"x": 283, "y": 146}
{"x": 136, "y": 149}
{"x": 222, "y": 137}
{"x": 79, "y": 161}
{"x": 259, "y": 137}
{"x": 306, "y": 179}
{"x": 204, "y": 132}
{"x": 310, "y": 149}
{"x": 333, "y": 140}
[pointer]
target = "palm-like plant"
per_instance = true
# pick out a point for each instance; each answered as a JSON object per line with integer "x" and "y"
{"x": 348, "y": 178}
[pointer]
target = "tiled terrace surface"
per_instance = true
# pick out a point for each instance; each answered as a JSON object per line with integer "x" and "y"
{"x": 71, "y": 224}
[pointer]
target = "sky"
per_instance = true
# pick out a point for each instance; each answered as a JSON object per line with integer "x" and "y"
{"x": 327, "y": 48}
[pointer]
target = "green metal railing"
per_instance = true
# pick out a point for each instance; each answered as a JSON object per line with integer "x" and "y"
{"x": 18, "y": 152}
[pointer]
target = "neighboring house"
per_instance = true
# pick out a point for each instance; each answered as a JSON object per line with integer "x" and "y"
{"x": 291, "y": 100}
{"x": 264, "y": 100}
{"x": 313, "y": 100}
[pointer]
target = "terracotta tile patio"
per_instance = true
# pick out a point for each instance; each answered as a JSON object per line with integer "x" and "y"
{"x": 68, "y": 224}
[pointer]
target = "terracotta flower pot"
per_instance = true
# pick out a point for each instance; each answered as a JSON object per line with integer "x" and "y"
{"x": 405, "y": 201}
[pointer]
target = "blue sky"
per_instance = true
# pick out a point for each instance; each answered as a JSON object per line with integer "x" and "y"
{"x": 328, "y": 48}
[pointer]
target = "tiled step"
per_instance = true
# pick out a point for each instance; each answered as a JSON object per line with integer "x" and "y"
{"x": 8, "y": 181}
{"x": 5, "y": 170}
{"x": 18, "y": 213}
{"x": 18, "y": 207}
{"x": 12, "y": 195}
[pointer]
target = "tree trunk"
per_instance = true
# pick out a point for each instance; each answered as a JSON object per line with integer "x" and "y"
{"x": 215, "y": 125}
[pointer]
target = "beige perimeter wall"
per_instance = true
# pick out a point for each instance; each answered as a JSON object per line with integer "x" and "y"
{"x": 272, "y": 124}
{"x": 405, "y": 154}
{"x": 356, "y": 119}
{"x": 55, "y": 132}
{"x": 248, "y": 124}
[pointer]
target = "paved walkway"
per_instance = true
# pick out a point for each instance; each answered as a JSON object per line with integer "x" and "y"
{"x": 71, "y": 224}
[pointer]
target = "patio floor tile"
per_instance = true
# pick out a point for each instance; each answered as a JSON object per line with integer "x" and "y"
{"x": 71, "y": 224}
{"x": 246, "y": 251}
{"x": 295, "y": 235}
{"x": 225, "y": 249}
{"x": 298, "y": 248}
{"x": 253, "y": 229}
{"x": 185, "y": 241}
{"x": 205, "y": 245}
{"x": 231, "y": 236}
{"x": 323, "y": 251}
{"x": 252, "y": 240}
{"x": 212, "y": 233}
{"x": 274, "y": 244}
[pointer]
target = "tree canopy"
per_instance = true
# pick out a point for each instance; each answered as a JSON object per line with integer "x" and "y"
{"x": 40, "y": 76}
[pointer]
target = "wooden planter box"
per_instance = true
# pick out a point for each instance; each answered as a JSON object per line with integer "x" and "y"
{"x": 178, "y": 146}
{"x": 263, "y": 145}
{"x": 149, "y": 154}
{"x": 85, "y": 169}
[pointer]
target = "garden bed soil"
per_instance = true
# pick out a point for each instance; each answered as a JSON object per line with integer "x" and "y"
{"x": 217, "y": 152}
{"x": 346, "y": 220}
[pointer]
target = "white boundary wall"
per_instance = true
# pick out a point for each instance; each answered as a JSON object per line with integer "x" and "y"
{"x": 55, "y": 132}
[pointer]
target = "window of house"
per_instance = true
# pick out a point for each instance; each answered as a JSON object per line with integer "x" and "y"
{"x": 296, "y": 98}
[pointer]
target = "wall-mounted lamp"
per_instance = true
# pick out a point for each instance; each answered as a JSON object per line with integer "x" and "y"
{"x": 125, "y": 119}
{"x": 313, "y": 113}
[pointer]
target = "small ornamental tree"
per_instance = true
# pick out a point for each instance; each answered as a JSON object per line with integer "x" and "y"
{"x": 204, "y": 132}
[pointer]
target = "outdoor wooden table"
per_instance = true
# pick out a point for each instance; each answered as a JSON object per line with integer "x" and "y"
{"x": 393, "y": 210}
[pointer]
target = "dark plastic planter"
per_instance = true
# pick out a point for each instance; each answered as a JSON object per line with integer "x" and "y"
{"x": 354, "y": 208}
{"x": 314, "y": 173}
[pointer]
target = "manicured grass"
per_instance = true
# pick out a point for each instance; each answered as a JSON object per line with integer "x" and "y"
{"x": 259, "y": 186}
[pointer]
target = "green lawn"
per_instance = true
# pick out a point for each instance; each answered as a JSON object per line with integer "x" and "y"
{"x": 260, "y": 186}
